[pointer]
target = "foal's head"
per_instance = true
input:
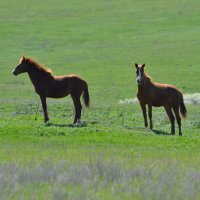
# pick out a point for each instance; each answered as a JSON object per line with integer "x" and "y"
{"x": 27, "y": 64}
{"x": 139, "y": 73}
{"x": 21, "y": 67}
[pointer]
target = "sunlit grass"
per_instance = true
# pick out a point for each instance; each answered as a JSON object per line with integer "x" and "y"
{"x": 112, "y": 156}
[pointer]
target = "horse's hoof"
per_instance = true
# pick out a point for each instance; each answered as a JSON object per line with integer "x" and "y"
{"x": 46, "y": 120}
{"x": 180, "y": 133}
{"x": 78, "y": 124}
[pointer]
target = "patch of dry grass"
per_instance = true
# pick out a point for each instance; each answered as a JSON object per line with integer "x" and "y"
{"x": 88, "y": 180}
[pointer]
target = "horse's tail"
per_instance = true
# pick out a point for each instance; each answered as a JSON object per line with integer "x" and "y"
{"x": 183, "y": 109}
{"x": 86, "y": 96}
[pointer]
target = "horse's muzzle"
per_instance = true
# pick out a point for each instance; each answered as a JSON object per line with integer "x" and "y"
{"x": 138, "y": 82}
{"x": 14, "y": 72}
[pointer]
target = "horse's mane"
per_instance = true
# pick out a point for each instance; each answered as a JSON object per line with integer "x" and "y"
{"x": 147, "y": 78}
{"x": 38, "y": 66}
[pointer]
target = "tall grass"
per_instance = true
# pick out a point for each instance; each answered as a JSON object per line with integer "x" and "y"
{"x": 96, "y": 180}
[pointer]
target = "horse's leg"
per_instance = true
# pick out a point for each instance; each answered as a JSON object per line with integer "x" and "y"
{"x": 143, "y": 106}
{"x": 178, "y": 118}
{"x": 78, "y": 108}
{"x": 150, "y": 116}
{"x": 171, "y": 117}
{"x": 44, "y": 106}
{"x": 79, "y": 112}
{"x": 75, "y": 107}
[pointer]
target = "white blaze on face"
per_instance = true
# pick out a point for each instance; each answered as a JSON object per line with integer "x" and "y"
{"x": 139, "y": 78}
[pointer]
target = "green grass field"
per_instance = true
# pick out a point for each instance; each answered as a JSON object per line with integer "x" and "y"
{"x": 112, "y": 156}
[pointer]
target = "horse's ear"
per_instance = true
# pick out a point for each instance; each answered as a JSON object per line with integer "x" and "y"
{"x": 136, "y": 65}
{"x": 22, "y": 59}
{"x": 143, "y": 65}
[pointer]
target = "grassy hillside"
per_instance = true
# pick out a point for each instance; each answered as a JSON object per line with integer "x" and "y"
{"x": 112, "y": 156}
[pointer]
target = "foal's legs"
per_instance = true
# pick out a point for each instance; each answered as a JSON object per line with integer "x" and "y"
{"x": 44, "y": 106}
{"x": 178, "y": 118}
{"x": 143, "y": 106}
{"x": 150, "y": 116}
{"x": 171, "y": 117}
{"x": 78, "y": 108}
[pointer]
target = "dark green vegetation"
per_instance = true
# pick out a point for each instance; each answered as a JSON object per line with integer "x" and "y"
{"x": 112, "y": 156}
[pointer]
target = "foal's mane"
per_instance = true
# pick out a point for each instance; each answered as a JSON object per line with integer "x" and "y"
{"x": 38, "y": 66}
{"x": 148, "y": 78}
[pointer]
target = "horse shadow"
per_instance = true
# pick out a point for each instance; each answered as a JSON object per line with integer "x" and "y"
{"x": 159, "y": 132}
{"x": 66, "y": 125}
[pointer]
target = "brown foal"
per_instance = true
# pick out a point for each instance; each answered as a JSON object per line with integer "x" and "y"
{"x": 47, "y": 85}
{"x": 156, "y": 94}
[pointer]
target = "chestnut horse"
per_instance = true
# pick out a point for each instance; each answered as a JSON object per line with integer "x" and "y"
{"x": 156, "y": 94}
{"x": 47, "y": 85}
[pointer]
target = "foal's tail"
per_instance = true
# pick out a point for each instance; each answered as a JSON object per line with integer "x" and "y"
{"x": 182, "y": 107}
{"x": 86, "y": 96}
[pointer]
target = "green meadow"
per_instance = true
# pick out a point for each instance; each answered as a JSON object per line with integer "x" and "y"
{"x": 112, "y": 155}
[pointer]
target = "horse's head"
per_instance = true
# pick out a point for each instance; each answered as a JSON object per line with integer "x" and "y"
{"x": 139, "y": 73}
{"x": 21, "y": 67}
